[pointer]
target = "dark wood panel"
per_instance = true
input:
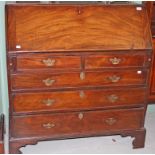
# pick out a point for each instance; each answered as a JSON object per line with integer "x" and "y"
{"x": 78, "y": 100}
{"x": 60, "y": 124}
{"x": 86, "y": 79}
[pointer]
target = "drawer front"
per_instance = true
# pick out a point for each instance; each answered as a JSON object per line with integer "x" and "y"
{"x": 77, "y": 123}
{"x": 76, "y": 100}
{"x": 87, "y": 79}
{"x": 116, "y": 60}
{"x": 47, "y": 61}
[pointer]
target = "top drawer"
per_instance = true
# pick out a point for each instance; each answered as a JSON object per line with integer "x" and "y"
{"x": 47, "y": 61}
{"x": 76, "y": 62}
{"x": 117, "y": 60}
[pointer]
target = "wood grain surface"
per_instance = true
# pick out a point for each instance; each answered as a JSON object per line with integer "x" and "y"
{"x": 78, "y": 100}
{"x": 72, "y": 27}
{"x": 81, "y": 79}
{"x": 76, "y": 123}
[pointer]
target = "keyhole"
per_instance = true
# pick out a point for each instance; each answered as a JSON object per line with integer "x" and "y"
{"x": 79, "y": 10}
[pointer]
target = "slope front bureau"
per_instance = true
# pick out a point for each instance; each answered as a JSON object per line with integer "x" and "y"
{"x": 77, "y": 70}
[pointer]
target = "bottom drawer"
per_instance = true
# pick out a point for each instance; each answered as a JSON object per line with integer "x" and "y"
{"x": 76, "y": 123}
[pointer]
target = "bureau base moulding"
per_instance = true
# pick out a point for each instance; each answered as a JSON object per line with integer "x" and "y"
{"x": 138, "y": 141}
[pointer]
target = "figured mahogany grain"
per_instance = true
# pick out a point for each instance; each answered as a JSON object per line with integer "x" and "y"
{"x": 77, "y": 100}
{"x": 40, "y": 61}
{"x": 124, "y": 60}
{"x": 66, "y": 80}
{"x": 72, "y": 27}
{"x": 74, "y": 124}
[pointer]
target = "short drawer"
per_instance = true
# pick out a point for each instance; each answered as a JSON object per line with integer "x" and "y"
{"x": 74, "y": 79}
{"x": 77, "y": 100}
{"x": 76, "y": 123}
{"x": 47, "y": 61}
{"x": 116, "y": 60}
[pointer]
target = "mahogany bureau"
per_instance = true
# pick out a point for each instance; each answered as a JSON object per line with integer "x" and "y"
{"x": 77, "y": 70}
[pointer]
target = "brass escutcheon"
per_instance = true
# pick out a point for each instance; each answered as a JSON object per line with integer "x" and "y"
{"x": 49, "y": 62}
{"x": 115, "y": 60}
{"x": 82, "y": 94}
{"x": 80, "y": 116}
{"x": 48, "y": 82}
{"x": 82, "y": 75}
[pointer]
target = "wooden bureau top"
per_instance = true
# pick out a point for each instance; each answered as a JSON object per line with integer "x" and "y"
{"x": 40, "y": 27}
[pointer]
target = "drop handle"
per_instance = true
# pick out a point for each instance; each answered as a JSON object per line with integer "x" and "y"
{"x": 48, "y": 81}
{"x": 110, "y": 121}
{"x": 115, "y": 61}
{"x": 113, "y": 98}
{"x": 114, "y": 78}
{"x": 49, "y": 62}
{"x": 48, "y": 125}
{"x": 48, "y": 102}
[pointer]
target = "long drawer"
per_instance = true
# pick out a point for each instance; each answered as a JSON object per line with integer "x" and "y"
{"x": 76, "y": 123}
{"x": 74, "y": 79}
{"x": 77, "y": 100}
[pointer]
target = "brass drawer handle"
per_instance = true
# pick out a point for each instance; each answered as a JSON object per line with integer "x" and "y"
{"x": 110, "y": 121}
{"x": 113, "y": 98}
{"x": 114, "y": 78}
{"x": 48, "y": 102}
{"x": 48, "y": 125}
{"x": 49, "y": 62}
{"x": 80, "y": 115}
{"x": 82, "y": 75}
{"x": 115, "y": 61}
{"x": 48, "y": 82}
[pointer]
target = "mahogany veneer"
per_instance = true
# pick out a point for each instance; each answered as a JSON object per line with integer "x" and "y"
{"x": 77, "y": 99}
{"x": 77, "y": 71}
{"x": 76, "y": 123}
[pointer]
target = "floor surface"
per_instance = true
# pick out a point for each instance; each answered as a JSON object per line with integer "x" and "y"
{"x": 97, "y": 145}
